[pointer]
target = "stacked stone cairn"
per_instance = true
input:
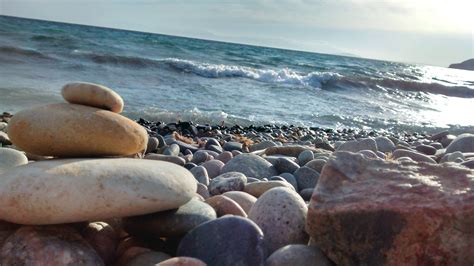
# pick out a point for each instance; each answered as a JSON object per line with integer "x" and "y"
{"x": 82, "y": 185}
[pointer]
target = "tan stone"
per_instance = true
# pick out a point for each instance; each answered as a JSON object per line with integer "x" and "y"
{"x": 71, "y": 130}
{"x": 73, "y": 190}
{"x": 93, "y": 95}
{"x": 258, "y": 188}
{"x": 224, "y": 205}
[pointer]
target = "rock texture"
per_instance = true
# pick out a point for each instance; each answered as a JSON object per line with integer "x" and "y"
{"x": 71, "y": 130}
{"x": 374, "y": 212}
{"x": 47, "y": 245}
{"x": 73, "y": 190}
{"x": 93, "y": 95}
{"x": 281, "y": 214}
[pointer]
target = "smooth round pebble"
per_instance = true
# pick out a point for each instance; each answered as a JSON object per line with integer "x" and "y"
{"x": 225, "y": 156}
{"x": 10, "y": 158}
{"x": 306, "y": 177}
{"x": 213, "y": 167}
{"x": 305, "y": 156}
{"x": 245, "y": 200}
{"x": 285, "y": 165}
{"x": 75, "y": 190}
{"x": 152, "y": 145}
{"x": 316, "y": 164}
{"x": 463, "y": 143}
{"x": 72, "y": 130}
{"x": 230, "y": 181}
{"x": 92, "y": 95}
{"x": 298, "y": 255}
{"x": 172, "y": 149}
{"x": 200, "y": 173}
{"x": 250, "y": 165}
{"x": 226, "y": 241}
{"x": 258, "y": 188}
{"x": 224, "y": 205}
{"x": 281, "y": 214}
{"x": 290, "y": 178}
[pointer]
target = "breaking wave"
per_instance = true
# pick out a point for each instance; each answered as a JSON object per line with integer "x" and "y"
{"x": 282, "y": 76}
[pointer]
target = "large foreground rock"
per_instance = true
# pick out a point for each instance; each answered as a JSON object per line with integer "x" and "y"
{"x": 374, "y": 212}
{"x": 73, "y": 190}
{"x": 250, "y": 165}
{"x": 71, "y": 130}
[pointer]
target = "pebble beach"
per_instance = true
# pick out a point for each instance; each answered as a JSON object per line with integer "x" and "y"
{"x": 82, "y": 184}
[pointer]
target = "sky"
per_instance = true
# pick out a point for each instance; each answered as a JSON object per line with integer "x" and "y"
{"x": 434, "y": 32}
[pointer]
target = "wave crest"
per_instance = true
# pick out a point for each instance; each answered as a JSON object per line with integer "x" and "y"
{"x": 283, "y": 76}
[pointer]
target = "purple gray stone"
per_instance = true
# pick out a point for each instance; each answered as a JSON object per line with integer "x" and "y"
{"x": 226, "y": 241}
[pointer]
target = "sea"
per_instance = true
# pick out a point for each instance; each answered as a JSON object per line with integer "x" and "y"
{"x": 169, "y": 78}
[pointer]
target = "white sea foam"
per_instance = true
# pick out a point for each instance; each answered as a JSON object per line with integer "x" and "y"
{"x": 282, "y": 76}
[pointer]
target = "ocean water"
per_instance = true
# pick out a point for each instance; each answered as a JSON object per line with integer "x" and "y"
{"x": 172, "y": 78}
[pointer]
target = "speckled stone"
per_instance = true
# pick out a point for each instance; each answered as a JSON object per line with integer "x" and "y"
{"x": 281, "y": 214}
{"x": 230, "y": 181}
{"x": 306, "y": 178}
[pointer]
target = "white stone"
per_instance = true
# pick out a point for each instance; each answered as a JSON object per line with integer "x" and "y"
{"x": 74, "y": 190}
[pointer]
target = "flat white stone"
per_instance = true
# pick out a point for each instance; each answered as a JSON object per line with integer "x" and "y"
{"x": 73, "y": 190}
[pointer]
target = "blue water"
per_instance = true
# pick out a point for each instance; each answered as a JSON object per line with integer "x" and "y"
{"x": 168, "y": 78}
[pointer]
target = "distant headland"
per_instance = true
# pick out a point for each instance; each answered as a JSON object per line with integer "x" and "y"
{"x": 466, "y": 65}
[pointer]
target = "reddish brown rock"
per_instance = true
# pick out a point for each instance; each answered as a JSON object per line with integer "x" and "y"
{"x": 376, "y": 212}
{"x": 224, "y": 205}
{"x": 47, "y": 245}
